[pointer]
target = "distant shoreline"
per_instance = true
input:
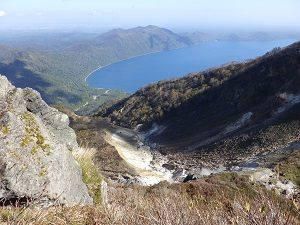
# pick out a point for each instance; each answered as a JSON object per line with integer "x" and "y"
{"x": 252, "y": 55}
{"x": 100, "y": 67}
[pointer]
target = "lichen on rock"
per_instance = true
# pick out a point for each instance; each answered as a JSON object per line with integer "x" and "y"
{"x": 35, "y": 158}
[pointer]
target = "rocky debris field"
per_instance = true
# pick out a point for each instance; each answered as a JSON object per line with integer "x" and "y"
{"x": 152, "y": 166}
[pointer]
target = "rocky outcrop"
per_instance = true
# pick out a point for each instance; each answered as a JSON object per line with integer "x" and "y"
{"x": 56, "y": 122}
{"x": 35, "y": 158}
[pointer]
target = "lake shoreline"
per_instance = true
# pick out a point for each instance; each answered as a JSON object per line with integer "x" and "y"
{"x": 101, "y": 67}
{"x": 152, "y": 67}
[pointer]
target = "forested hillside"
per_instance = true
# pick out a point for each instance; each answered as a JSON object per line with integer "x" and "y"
{"x": 58, "y": 68}
{"x": 208, "y": 104}
{"x": 153, "y": 102}
{"x": 162, "y": 100}
{"x": 58, "y": 63}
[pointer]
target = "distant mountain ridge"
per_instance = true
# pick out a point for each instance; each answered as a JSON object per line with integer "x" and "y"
{"x": 150, "y": 35}
{"x": 60, "y": 73}
{"x": 120, "y": 44}
{"x": 59, "y": 63}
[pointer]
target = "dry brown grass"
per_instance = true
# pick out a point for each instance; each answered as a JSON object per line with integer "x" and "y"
{"x": 221, "y": 199}
{"x": 165, "y": 205}
{"x": 200, "y": 202}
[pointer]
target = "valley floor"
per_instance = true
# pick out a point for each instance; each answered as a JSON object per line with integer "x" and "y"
{"x": 148, "y": 164}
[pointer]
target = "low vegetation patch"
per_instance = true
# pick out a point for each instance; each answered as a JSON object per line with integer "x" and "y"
{"x": 90, "y": 174}
{"x": 222, "y": 199}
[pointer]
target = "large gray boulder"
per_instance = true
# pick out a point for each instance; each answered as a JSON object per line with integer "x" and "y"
{"x": 35, "y": 158}
{"x": 56, "y": 122}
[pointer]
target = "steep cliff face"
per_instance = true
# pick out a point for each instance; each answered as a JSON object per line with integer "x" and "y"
{"x": 35, "y": 158}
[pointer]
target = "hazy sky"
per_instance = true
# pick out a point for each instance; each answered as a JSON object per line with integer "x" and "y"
{"x": 178, "y": 14}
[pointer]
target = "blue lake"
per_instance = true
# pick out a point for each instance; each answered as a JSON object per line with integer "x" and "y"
{"x": 130, "y": 75}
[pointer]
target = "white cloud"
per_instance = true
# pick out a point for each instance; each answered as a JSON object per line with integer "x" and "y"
{"x": 2, "y": 13}
{"x": 39, "y": 14}
{"x": 94, "y": 13}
